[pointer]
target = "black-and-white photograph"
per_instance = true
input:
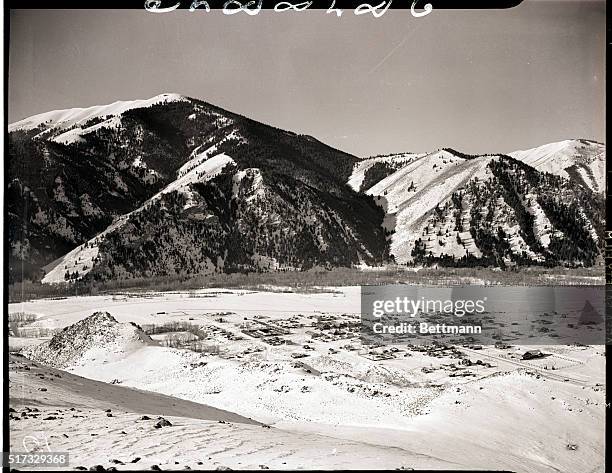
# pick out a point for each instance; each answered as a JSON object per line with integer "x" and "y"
{"x": 291, "y": 238}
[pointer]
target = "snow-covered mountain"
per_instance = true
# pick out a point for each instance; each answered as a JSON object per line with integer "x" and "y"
{"x": 450, "y": 208}
{"x": 57, "y": 122}
{"x": 582, "y": 161}
{"x": 80, "y": 260}
{"x": 174, "y": 185}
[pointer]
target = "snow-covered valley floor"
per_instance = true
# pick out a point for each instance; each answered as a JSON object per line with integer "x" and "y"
{"x": 328, "y": 404}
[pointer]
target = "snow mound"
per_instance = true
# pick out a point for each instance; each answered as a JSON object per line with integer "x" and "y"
{"x": 98, "y": 336}
{"x": 364, "y": 371}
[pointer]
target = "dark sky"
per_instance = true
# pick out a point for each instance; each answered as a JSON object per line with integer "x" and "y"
{"x": 477, "y": 81}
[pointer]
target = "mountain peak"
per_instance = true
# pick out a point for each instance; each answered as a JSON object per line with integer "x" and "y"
{"x": 67, "y": 118}
{"x": 579, "y": 160}
{"x": 92, "y": 175}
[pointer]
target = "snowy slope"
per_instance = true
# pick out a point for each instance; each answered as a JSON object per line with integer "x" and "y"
{"x": 417, "y": 176}
{"x": 581, "y": 160}
{"x": 416, "y": 189}
{"x": 360, "y": 168}
{"x": 103, "y": 424}
{"x": 201, "y": 172}
{"x": 64, "y": 119}
{"x": 81, "y": 259}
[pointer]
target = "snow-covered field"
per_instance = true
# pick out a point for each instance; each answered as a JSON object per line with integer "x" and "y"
{"x": 309, "y": 378}
{"x": 103, "y": 424}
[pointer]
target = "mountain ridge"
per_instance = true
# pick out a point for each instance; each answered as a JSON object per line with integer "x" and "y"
{"x": 66, "y": 191}
{"x": 417, "y": 186}
{"x": 174, "y": 185}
